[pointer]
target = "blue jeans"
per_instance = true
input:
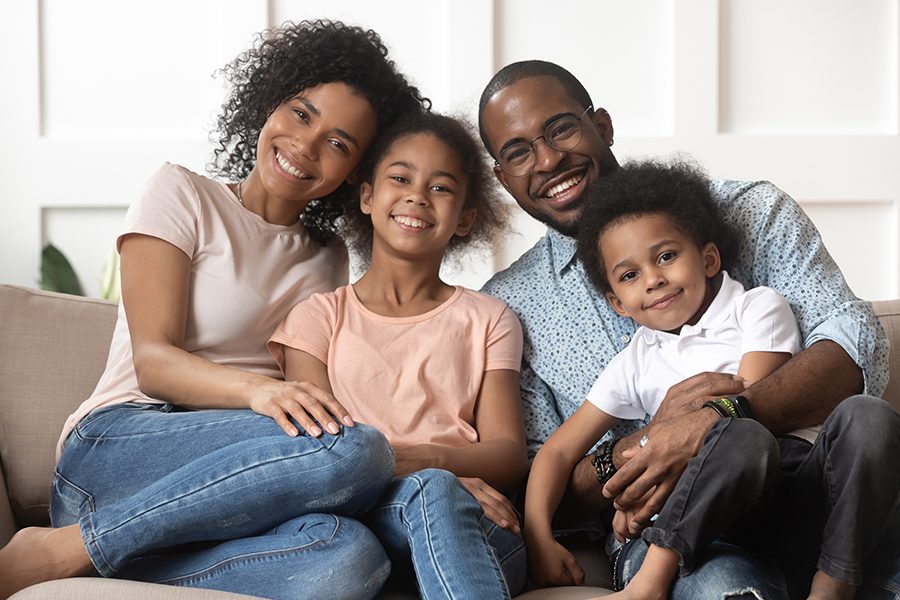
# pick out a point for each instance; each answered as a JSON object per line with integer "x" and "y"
{"x": 430, "y": 524}
{"x": 223, "y": 499}
{"x": 724, "y": 571}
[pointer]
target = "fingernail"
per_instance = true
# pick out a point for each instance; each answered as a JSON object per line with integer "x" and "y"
{"x": 293, "y": 432}
{"x": 504, "y": 523}
{"x": 347, "y": 421}
{"x": 315, "y": 431}
{"x": 332, "y": 428}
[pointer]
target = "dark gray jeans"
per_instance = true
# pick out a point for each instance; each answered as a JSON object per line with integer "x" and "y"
{"x": 832, "y": 505}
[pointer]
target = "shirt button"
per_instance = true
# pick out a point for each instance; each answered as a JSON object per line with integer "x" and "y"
{"x": 625, "y": 337}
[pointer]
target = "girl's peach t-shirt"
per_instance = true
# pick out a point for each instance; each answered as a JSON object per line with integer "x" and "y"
{"x": 416, "y": 379}
{"x": 246, "y": 274}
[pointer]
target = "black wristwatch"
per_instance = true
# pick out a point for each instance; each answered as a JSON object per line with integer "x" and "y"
{"x": 602, "y": 461}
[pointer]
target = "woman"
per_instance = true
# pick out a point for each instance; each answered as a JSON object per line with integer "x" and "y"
{"x": 155, "y": 481}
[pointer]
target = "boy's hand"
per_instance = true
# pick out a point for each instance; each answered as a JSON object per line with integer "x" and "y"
{"x": 551, "y": 564}
{"x": 497, "y": 507}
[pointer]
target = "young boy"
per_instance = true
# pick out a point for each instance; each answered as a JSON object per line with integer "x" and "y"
{"x": 653, "y": 242}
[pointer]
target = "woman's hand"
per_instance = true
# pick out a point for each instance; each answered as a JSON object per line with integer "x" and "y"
{"x": 301, "y": 400}
{"x": 497, "y": 507}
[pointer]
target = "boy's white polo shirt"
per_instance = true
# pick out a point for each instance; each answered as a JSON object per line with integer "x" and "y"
{"x": 737, "y": 321}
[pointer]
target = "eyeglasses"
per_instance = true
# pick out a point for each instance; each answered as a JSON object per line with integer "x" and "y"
{"x": 562, "y": 135}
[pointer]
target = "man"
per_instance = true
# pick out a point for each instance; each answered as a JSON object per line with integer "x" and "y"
{"x": 549, "y": 143}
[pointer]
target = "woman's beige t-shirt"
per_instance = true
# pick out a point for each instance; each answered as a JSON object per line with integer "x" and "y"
{"x": 246, "y": 274}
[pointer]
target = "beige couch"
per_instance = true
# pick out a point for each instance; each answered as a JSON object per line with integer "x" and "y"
{"x": 52, "y": 350}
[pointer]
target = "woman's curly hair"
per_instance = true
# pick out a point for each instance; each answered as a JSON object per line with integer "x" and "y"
{"x": 678, "y": 189}
{"x": 481, "y": 190}
{"x": 295, "y": 57}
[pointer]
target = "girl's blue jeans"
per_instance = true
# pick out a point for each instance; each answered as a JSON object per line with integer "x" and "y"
{"x": 224, "y": 499}
{"x": 436, "y": 533}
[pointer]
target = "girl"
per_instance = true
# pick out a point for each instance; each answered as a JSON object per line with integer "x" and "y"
{"x": 653, "y": 242}
{"x": 193, "y": 463}
{"x": 432, "y": 366}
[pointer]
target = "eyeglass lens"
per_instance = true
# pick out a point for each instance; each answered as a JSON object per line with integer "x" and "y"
{"x": 562, "y": 134}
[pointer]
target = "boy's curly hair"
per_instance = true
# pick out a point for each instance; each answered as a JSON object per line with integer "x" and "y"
{"x": 481, "y": 190}
{"x": 294, "y": 57}
{"x": 678, "y": 189}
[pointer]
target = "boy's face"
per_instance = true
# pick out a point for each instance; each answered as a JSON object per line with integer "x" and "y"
{"x": 659, "y": 275}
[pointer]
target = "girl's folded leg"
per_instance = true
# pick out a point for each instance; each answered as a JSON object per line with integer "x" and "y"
{"x": 140, "y": 479}
{"x": 428, "y": 519}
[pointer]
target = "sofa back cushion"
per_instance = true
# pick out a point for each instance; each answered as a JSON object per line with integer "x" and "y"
{"x": 53, "y": 349}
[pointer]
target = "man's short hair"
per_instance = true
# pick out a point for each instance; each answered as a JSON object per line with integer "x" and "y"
{"x": 517, "y": 71}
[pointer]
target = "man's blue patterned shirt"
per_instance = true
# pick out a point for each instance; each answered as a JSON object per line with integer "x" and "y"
{"x": 571, "y": 332}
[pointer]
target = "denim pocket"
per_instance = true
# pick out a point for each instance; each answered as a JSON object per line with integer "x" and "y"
{"x": 68, "y": 502}
{"x": 92, "y": 426}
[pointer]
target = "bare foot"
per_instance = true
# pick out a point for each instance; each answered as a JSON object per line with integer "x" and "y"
{"x": 37, "y": 554}
{"x": 825, "y": 587}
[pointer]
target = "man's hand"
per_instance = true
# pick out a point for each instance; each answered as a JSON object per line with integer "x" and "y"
{"x": 689, "y": 395}
{"x": 645, "y": 481}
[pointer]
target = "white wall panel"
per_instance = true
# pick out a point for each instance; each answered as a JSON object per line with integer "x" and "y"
{"x": 98, "y": 92}
{"x": 142, "y": 70}
{"x": 623, "y": 53}
{"x": 428, "y": 40}
{"x": 809, "y": 66}
{"x": 862, "y": 237}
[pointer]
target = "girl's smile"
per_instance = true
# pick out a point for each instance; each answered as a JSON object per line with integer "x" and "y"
{"x": 416, "y": 198}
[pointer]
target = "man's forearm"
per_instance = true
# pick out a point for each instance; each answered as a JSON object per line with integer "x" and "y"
{"x": 583, "y": 498}
{"x": 806, "y": 389}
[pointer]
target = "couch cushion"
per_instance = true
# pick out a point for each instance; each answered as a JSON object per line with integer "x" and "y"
{"x": 889, "y": 313}
{"x": 86, "y": 588}
{"x": 53, "y": 349}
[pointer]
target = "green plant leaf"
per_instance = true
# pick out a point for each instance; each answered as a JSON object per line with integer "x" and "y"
{"x": 57, "y": 274}
{"x": 110, "y": 283}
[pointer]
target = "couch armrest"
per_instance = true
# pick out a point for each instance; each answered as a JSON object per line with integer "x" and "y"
{"x": 7, "y": 521}
{"x": 889, "y": 313}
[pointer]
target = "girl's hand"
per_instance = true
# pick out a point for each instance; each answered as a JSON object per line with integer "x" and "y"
{"x": 497, "y": 507}
{"x": 302, "y": 401}
{"x": 551, "y": 564}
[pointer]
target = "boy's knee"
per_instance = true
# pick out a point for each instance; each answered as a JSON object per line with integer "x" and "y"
{"x": 752, "y": 438}
{"x": 864, "y": 422}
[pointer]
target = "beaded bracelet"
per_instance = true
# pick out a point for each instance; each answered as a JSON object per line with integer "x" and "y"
{"x": 725, "y": 407}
